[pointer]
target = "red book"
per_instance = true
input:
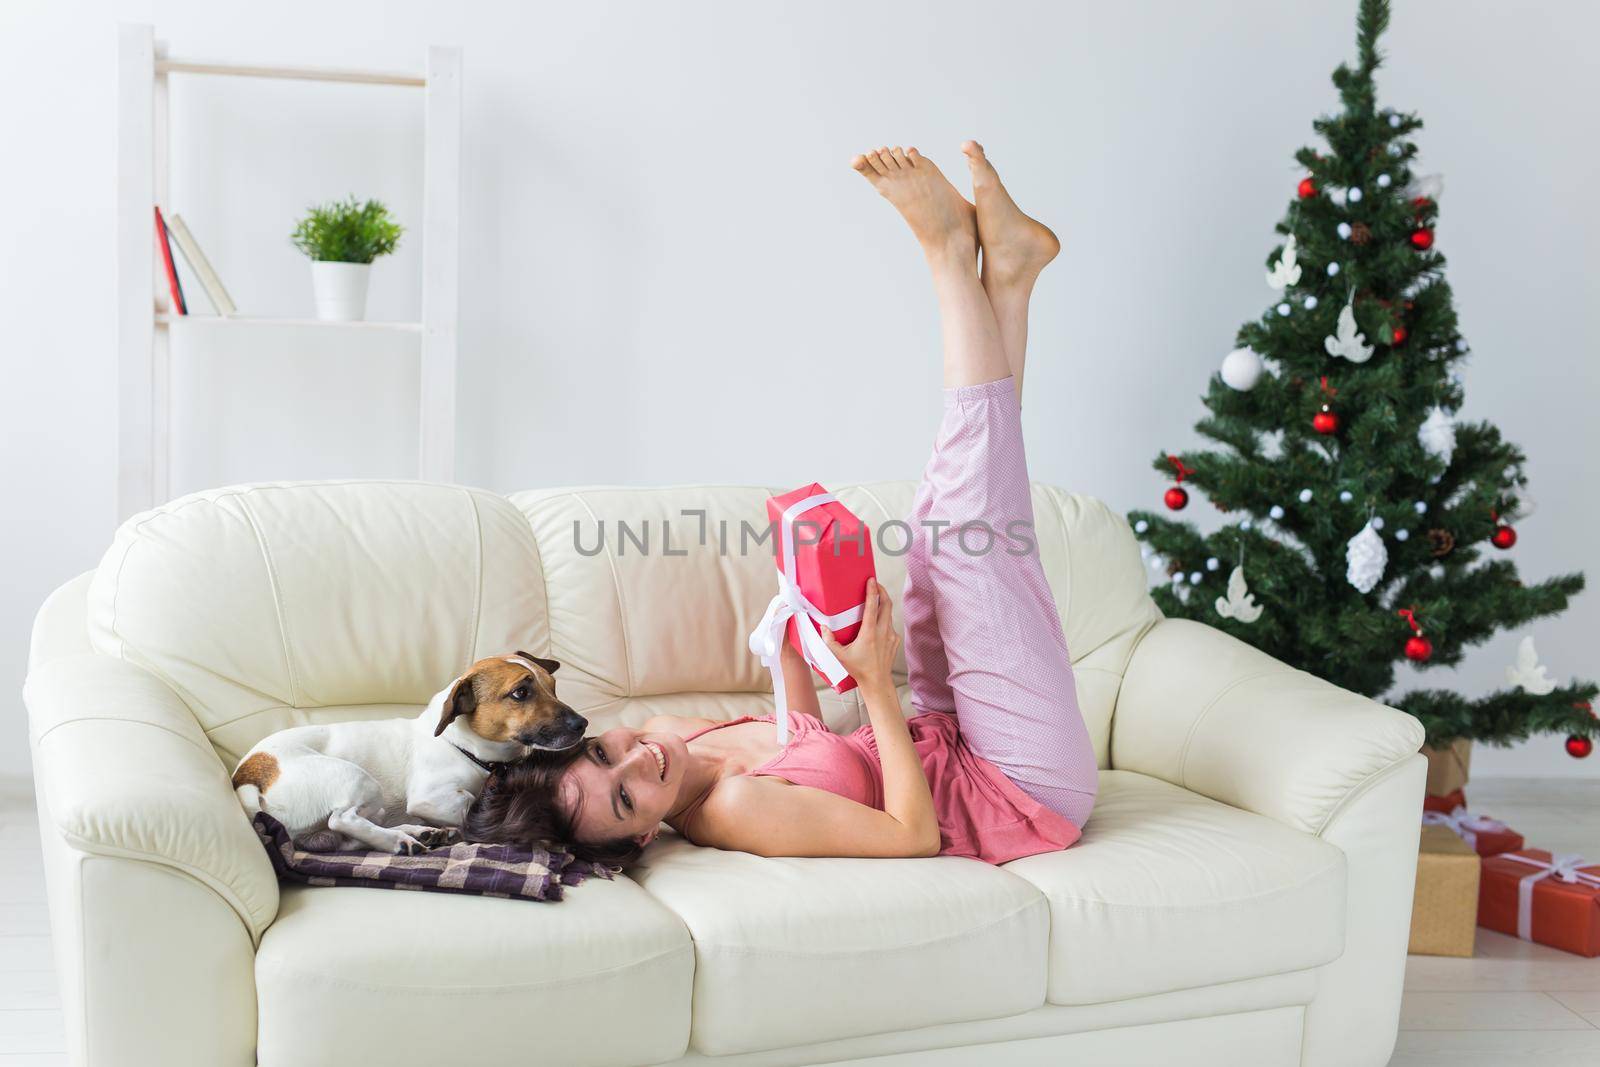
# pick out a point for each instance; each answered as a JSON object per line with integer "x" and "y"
{"x": 166, "y": 258}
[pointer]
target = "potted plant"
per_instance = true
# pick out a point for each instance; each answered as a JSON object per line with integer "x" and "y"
{"x": 342, "y": 238}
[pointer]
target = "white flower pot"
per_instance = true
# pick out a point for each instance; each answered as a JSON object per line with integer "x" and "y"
{"x": 340, "y": 290}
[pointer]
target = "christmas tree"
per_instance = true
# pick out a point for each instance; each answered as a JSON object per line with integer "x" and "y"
{"x": 1366, "y": 525}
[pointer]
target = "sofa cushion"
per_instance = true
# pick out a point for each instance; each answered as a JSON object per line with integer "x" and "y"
{"x": 269, "y": 606}
{"x": 796, "y": 951}
{"x": 367, "y": 976}
{"x": 1170, "y": 890}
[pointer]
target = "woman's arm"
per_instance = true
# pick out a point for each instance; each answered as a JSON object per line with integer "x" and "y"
{"x": 870, "y": 660}
{"x": 799, "y": 683}
{"x": 769, "y": 817}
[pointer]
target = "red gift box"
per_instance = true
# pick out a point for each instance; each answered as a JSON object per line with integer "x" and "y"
{"x": 824, "y": 559}
{"x": 1447, "y": 803}
{"x": 1488, "y": 837}
{"x": 1552, "y": 900}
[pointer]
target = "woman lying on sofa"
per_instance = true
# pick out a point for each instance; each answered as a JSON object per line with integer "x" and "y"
{"x": 997, "y": 764}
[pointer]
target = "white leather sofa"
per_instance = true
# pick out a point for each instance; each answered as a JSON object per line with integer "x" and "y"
{"x": 1241, "y": 895}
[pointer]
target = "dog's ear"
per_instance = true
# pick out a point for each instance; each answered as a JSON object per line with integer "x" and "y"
{"x": 550, "y": 665}
{"x": 461, "y": 700}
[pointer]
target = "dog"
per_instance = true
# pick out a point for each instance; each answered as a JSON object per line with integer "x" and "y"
{"x": 404, "y": 785}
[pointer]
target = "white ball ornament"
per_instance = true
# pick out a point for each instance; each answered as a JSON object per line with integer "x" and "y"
{"x": 1141, "y": 526}
{"x": 1345, "y": 496}
{"x": 1305, "y": 496}
{"x": 1383, "y": 181}
{"x": 1376, "y": 523}
{"x": 1343, "y": 229}
{"x": 1194, "y": 577}
{"x": 1354, "y": 196}
{"x": 1244, "y": 524}
{"x": 1402, "y": 535}
{"x": 1461, "y": 344}
{"x": 1333, "y": 270}
{"x": 1283, "y": 309}
{"x": 1241, "y": 369}
{"x": 1394, "y": 122}
{"x": 1395, "y": 150}
{"x": 1276, "y": 512}
{"x": 1311, "y": 303}
{"x": 1213, "y": 563}
{"x": 1421, "y": 506}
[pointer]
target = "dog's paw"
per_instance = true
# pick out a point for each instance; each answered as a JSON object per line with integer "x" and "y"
{"x": 411, "y": 840}
{"x": 435, "y": 836}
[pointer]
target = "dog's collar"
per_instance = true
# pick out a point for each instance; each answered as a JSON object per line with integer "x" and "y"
{"x": 487, "y": 768}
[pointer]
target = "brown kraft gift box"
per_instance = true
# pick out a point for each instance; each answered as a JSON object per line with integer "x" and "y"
{"x": 1444, "y": 911}
{"x": 1448, "y": 766}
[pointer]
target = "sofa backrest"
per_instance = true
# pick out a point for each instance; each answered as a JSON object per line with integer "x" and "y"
{"x": 641, "y": 633}
{"x": 272, "y": 605}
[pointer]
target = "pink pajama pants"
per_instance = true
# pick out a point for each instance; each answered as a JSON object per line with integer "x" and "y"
{"x": 983, "y": 639}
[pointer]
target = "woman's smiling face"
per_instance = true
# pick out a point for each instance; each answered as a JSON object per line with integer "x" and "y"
{"x": 625, "y": 783}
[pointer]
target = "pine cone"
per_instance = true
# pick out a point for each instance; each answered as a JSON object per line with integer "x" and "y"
{"x": 1360, "y": 233}
{"x": 1441, "y": 542}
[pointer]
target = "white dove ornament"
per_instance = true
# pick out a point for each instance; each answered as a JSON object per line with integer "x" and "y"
{"x": 1528, "y": 674}
{"x": 1239, "y": 603}
{"x": 1347, "y": 342}
{"x": 1286, "y": 271}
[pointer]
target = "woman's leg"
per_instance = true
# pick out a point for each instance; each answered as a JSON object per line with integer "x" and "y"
{"x": 1015, "y": 249}
{"x": 983, "y": 639}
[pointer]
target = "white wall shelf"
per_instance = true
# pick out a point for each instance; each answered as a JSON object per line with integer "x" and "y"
{"x": 145, "y": 321}
{"x": 167, "y": 319}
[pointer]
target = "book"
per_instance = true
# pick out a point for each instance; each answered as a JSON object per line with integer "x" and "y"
{"x": 178, "y": 306}
{"x": 200, "y": 265}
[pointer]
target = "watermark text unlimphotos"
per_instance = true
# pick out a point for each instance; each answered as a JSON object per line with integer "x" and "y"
{"x": 975, "y": 537}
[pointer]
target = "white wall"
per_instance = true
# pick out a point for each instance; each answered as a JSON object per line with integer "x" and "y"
{"x": 660, "y": 234}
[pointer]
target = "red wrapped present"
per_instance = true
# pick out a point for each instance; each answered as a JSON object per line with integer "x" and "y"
{"x": 1554, "y": 900}
{"x": 1447, "y": 803}
{"x": 824, "y": 559}
{"x": 1488, "y": 837}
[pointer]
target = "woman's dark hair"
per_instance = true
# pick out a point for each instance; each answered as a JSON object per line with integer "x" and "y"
{"x": 521, "y": 805}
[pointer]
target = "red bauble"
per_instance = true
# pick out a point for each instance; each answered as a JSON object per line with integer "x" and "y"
{"x": 1418, "y": 648}
{"x": 1399, "y": 335}
{"x": 1177, "y": 498}
{"x": 1422, "y": 239}
{"x": 1503, "y": 536}
{"x": 1325, "y": 422}
{"x": 1422, "y": 203}
{"x": 1579, "y": 747}
{"x": 1307, "y": 188}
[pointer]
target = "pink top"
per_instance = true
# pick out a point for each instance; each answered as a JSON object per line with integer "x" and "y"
{"x": 982, "y": 813}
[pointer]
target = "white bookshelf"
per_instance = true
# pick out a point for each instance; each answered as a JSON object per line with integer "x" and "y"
{"x": 146, "y": 323}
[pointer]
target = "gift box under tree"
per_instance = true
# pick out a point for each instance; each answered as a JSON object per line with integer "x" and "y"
{"x": 1444, "y": 910}
{"x": 1554, "y": 900}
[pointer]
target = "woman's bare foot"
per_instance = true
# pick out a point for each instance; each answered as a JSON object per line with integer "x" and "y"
{"x": 940, "y": 217}
{"x": 1015, "y": 247}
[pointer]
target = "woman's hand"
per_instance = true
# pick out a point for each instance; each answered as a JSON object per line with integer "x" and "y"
{"x": 869, "y": 657}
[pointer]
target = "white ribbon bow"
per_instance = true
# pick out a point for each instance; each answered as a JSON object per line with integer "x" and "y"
{"x": 1563, "y": 867}
{"x": 766, "y": 640}
{"x": 1466, "y": 825}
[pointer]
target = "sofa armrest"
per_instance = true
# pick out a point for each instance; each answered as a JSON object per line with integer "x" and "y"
{"x": 126, "y": 771}
{"x": 1207, "y": 712}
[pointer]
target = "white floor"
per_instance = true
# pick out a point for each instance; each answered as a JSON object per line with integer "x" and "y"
{"x": 1514, "y": 1003}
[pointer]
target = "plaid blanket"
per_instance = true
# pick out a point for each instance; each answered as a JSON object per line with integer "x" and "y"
{"x": 482, "y": 870}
